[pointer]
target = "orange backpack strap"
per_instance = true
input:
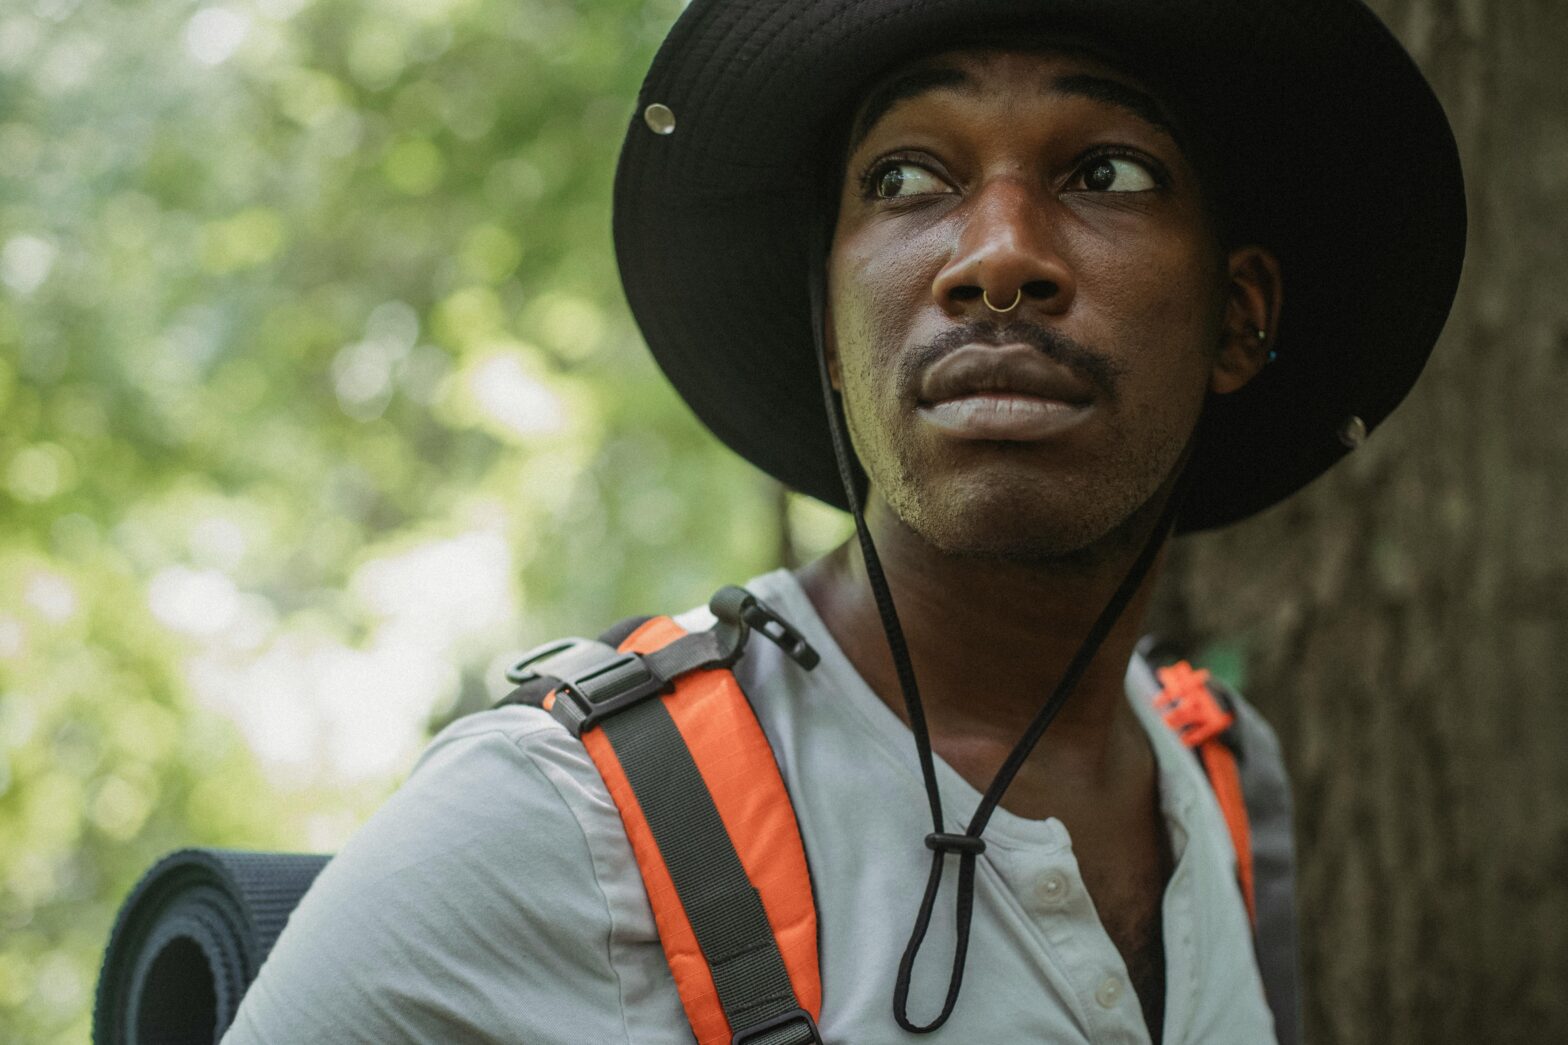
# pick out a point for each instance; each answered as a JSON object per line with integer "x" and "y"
{"x": 1189, "y": 706}
{"x": 706, "y": 811}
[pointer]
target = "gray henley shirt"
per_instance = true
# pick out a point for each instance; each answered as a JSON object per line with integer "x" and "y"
{"x": 494, "y": 897}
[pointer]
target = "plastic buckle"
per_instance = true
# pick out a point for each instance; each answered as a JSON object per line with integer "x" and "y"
{"x": 757, "y": 1030}
{"x": 595, "y": 680}
{"x": 1189, "y": 705}
{"x": 609, "y": 687}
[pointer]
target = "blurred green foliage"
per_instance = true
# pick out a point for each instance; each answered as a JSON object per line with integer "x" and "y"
{"x": 319, "y": 399}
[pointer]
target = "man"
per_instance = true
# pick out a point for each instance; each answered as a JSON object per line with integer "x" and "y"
{"x": 1041, "y": 253}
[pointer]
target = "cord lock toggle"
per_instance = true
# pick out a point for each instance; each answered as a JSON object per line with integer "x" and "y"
{"x": 946, "y": 843}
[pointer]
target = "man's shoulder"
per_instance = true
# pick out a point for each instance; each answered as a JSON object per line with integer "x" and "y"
{"x": 501, "y": 855}
{"x": 498, "y": 784}
{"x": 485, "y": 741}
{"x": 506, "y": 788}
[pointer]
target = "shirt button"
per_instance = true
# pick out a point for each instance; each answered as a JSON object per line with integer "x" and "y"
{"x": 1109, "y": 992}
{"x": 1050, "y": 890}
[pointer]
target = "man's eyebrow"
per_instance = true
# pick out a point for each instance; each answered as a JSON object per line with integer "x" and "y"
{"x": 902, "y": 88}
{"x": 1114, "y": 92}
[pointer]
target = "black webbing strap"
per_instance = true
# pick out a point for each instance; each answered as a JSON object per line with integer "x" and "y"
{"x": 724, "y": 909}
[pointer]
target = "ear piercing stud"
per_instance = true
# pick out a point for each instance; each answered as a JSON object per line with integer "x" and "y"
{"x": 1263, "y": 335}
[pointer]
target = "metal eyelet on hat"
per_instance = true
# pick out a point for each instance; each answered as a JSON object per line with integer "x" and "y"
{"x": 660, "y": 118}
{"x": 1353, "y": 432}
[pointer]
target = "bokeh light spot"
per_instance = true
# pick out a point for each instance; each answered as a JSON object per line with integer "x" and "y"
{"x": 26, "y": 261}
{"x": 414, "y": 166}
{"x": 214, "y": 34}
{"x": 40, "y": 472}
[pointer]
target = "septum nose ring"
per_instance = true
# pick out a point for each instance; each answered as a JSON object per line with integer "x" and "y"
{"x": 985, "y": 296}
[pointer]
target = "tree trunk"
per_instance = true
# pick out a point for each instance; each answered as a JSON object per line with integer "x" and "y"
{"x": 1403, "y": 621}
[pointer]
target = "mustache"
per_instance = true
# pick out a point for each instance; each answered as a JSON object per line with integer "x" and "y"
{"x": 1093, "y": 365}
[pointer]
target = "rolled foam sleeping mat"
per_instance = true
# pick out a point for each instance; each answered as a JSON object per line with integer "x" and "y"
{"x": 189, "y": 940}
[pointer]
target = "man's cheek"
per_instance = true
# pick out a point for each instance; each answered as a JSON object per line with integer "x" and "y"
{"x": 893, "y": 270}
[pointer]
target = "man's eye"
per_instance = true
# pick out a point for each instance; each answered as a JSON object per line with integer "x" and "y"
{"x": 896, "y": 180}
{"x": 1117, "y": 174}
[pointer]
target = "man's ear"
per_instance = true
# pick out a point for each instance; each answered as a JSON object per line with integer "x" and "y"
{"x": 1251, "y": 318}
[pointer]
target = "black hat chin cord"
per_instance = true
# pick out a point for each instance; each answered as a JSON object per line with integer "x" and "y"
{"x": 969, "y": 845}
{"x": 879, "y": 589}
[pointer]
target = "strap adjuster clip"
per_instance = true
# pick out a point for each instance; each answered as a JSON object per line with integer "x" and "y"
{"x": 1190, "y": 706}
{"x": 593, "y": 681}
{"x": 757, "y": 1030}
{"x": 556, "y": 659}
{"x": 609, "y": 687}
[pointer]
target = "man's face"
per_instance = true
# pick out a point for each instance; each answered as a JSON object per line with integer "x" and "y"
{"x": 1047, "y": 185}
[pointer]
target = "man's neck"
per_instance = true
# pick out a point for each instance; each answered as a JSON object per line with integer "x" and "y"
{"x": 990, "y": 639}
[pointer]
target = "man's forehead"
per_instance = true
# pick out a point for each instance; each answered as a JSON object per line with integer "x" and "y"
{"x": 1076, "y": 73}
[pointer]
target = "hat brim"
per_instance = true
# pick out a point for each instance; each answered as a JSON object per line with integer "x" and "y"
{"x": 1337, "y": 154}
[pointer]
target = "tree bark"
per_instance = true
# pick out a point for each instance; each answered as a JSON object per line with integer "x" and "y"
{"x": 1404, "y": 622}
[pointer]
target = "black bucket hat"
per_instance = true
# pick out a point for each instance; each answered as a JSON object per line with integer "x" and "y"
{"x": 1333, "y": 152}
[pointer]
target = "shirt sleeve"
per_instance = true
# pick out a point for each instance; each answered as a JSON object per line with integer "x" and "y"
{"x": 467, "y": 909}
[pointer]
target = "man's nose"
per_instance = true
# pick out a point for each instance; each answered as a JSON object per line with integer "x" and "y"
{"x": 1007, "y": 256}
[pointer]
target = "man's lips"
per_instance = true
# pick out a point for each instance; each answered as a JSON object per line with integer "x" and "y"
{"x": 1007, "y": 392}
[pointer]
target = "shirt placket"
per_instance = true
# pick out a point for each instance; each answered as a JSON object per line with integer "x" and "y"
{"x": 1048, "y": 886}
